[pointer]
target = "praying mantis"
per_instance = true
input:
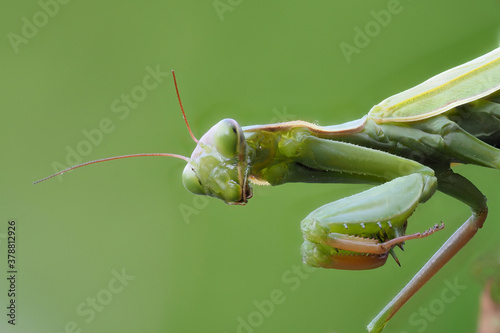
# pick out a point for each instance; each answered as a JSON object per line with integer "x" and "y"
{"x": 405, "y": 146}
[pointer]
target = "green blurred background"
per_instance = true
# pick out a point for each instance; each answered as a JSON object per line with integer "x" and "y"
{"x": 199, "y": 265}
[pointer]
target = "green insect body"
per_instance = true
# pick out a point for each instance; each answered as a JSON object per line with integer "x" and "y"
{"x": 405, "y": 146}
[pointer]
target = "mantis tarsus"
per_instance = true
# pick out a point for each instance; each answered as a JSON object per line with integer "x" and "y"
{"x": 405, "y": 145}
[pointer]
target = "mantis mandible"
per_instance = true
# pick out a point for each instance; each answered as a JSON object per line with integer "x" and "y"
{"x": 405, "y": 146}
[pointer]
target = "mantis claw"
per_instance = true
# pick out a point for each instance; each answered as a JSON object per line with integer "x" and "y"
{"x": 368, "y": 225}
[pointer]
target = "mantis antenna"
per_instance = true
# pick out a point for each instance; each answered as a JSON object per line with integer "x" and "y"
{"x": 133, "y": 155}
{"x": 182, "y": 109}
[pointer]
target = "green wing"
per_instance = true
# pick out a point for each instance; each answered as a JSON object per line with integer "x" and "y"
{"x": 463, "y": 84}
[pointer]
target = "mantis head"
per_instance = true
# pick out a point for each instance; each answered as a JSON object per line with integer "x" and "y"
{"x": 217, "y": 167}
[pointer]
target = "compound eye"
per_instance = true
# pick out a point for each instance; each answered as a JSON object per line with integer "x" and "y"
{"x": 226, "y": 138}
{"x": 191, "y": 181}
